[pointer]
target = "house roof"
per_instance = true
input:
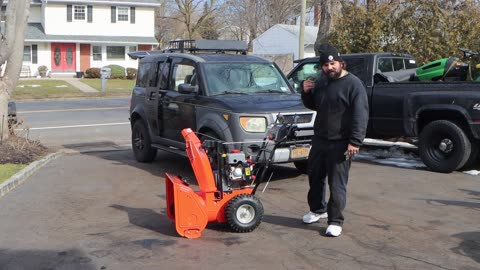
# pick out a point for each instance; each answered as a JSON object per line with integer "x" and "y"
{"x": 310, "y": 34}
{"x": 143, "y": 3}
{"x": 35, "y": 33}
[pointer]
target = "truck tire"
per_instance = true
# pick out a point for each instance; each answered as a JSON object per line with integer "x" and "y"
{"x": 142, "y": 143}
{"x": 444, "y": 146}
{"x": 301, "y": 165}
{"x": 473, "y": 160}
{"x": 244, "y": 213}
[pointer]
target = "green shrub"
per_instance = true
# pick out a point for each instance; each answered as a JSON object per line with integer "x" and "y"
{"x": 117, "y": 72}
{"x": 92, "y": 73}
{"x": 131, "y": 73}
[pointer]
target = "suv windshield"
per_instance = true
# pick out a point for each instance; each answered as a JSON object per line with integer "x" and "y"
{"x": 243, "y": 78}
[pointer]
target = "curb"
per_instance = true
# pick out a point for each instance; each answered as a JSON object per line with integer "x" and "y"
{"x": 22, "y": 175}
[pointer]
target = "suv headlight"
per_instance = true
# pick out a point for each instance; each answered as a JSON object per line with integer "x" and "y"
{"x": 253, "y": 124}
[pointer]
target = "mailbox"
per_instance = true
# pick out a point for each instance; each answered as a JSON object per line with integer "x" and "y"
{"x": 105, "y": 73}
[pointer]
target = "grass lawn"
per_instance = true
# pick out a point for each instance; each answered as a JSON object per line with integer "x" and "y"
{"x": 8, "y": 170}
{"x": 38, "y": 89}
{"x": 113, "y": 87}
{"x": 58, "y": 88}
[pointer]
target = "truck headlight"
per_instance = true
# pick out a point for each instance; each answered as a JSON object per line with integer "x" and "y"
{"x": 253, "y": 124}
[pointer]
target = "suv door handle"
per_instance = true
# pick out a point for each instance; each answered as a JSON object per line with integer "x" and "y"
{"x": 152, "y": 95}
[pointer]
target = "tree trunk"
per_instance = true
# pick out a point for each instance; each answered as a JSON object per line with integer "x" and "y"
{"x": 11, "y": 52}
{"x": 326, "y": 25}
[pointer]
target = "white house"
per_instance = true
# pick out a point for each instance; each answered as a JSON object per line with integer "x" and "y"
{"x": 284, "y": 39}
{"x": 71, "y": 36}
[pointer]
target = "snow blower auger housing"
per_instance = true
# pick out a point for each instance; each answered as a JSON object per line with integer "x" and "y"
{"x": 225, "y": 195}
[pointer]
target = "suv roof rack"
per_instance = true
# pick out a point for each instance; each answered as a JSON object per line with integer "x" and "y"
{"x": 212, "y": 46}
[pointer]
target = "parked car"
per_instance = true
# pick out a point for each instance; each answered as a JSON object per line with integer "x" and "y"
{"x": 220, "y": 92}
{"x": 443, "y": 116}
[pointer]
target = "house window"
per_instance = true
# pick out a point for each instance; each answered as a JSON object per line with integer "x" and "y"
{"x": 79, "y": 13}
{"x": 132, "y": 48}
{"x": 97, "y": 53}
{"x": 122, "y": 13}
{"x": 27, "y": 53}
{"x": 115, "y": 53}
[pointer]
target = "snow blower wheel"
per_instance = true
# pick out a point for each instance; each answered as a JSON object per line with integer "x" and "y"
{"x": 244, "y": 213}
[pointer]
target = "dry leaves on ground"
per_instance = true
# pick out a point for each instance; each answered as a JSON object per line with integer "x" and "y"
{"x": 18, "y": 150}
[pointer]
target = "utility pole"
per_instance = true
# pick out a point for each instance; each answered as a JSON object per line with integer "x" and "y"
{"x": 301, "y": 40}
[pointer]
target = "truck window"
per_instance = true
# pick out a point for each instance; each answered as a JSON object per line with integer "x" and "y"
{"x": 398, "y": 64}
{"x": 356, "y": 65}
{"x": 308, "y": 70}
{"x": 384, "y": 65}
{"x": 410, "y": 63}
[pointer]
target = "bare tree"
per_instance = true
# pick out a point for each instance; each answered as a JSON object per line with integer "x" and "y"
{"x": 11, "y": 53}
{"x": 249, "y": 18}
{"x": 327, "y": 8}
{"x": 165, "y": 28}
{"x": 190, "y": 14}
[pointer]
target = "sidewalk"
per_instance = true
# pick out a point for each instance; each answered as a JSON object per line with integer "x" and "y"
{"x": 74, "y": 81}
{"x": 78, "y": 84}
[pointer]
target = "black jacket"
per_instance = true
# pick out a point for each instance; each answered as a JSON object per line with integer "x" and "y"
{"x": 342, "y": 109}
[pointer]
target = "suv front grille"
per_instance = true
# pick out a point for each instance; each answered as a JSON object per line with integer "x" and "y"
{"x": 303, "y": 118}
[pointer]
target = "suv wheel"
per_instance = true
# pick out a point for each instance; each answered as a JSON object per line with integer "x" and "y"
{"x": 301, "y": 165}
{"x": 142, "y": 144}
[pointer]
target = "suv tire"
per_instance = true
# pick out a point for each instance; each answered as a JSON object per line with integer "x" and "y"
{"x": 142, "y": 143}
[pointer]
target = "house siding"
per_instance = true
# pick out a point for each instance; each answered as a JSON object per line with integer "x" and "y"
{"x": 281, "y": 39}
{"x": 56, "y": 22}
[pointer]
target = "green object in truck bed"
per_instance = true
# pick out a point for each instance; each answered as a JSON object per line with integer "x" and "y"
{"x": 447, "y": 69}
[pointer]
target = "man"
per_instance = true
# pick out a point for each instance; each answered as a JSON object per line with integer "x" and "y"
{"x": 340, "y": 100}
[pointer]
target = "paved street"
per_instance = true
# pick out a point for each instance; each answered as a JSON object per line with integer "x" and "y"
{"x": 106, "y": 211}
{"x": 76, "y": 123}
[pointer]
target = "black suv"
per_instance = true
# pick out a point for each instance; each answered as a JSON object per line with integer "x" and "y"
{"x": 220, "y": 92}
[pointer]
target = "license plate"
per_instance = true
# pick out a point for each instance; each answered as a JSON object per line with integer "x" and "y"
{"x": 299, "y": 152}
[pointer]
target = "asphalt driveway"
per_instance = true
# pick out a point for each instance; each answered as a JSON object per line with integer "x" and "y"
{"x": 106, "y": 211}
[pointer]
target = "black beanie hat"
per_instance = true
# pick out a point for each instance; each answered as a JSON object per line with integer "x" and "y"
{"x": 328, "y": 53}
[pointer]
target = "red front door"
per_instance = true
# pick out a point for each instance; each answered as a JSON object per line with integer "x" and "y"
{"x": 63, "y": 57}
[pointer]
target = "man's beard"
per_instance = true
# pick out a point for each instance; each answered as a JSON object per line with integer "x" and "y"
{"x": 333, "y": 75}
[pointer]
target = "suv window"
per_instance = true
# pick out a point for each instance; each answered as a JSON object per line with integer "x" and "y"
{"x": 182, "y": 72}
{"x": 243, "y": 78}
{"x": 143, "y": 71}
{"x": 162, "y": 75}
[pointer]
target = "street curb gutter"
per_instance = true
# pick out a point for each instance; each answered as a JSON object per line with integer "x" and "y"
{"x": 22, "y": 175}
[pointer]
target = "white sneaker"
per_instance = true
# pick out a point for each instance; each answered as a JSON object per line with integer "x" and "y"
{"x": 334, "y": 230}
{"x": 313, "y": 217}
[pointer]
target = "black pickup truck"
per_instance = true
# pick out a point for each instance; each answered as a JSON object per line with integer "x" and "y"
{"x": 443, "y": 116}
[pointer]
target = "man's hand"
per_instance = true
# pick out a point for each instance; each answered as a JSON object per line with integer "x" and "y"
{"x": 308, "y": 85}
{"x": 351, "y": 151}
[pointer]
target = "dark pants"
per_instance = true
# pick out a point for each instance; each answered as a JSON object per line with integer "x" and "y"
{"x": 327, "y": 161}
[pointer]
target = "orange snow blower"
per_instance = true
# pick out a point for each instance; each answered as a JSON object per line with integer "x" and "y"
{"x": 226, "y": 192}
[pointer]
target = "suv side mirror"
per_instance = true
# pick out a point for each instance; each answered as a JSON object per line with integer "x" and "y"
{"x": 185, "y": 88}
